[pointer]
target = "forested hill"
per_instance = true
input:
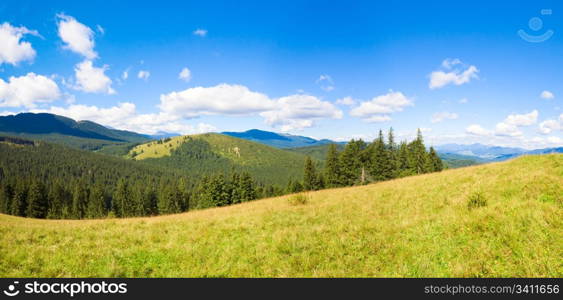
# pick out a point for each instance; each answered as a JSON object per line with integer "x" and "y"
{"x": 79, "y": 134}
{"x": 211, "y": 153}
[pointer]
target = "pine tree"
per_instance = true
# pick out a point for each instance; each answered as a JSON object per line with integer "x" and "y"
{"x": 184, "y": 194}
{"x": 381, "y": 168}
{"x": 393, "y": 154}
{"x": 332, "y": 169}
{"x": 19, "y": 202}
{"x": 297, "y": 187}
{"x": 37, "y": 199}
{"x": 418, "y": 154}
{"x": 404, "y": 160}
{"x": 248, "y": 191}
{"x": 436, "y": 162}
{"x": 6, "y": 195}
{"x": 351, "y": 162}
{"x": 79, "y": 201}
{"x": 122, "y": 199}
{"x": 310, "y": 175}
{"x": 97, "y": 202}
{"x": 220, "y": 195}
{"x": 150, "y": 201}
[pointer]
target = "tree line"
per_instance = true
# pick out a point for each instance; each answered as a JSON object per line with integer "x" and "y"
{"x": 362, "y": 163}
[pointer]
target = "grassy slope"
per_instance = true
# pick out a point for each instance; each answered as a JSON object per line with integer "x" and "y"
{"x": 265, "y": 163}
{"x": 416, "y": 227}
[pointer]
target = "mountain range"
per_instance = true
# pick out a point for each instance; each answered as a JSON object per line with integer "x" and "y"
{"x": 89, "y": 135}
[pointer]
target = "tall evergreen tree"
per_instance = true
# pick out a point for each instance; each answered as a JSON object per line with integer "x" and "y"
{"x": 79, "y": 201}
{"x": 122, "y": 199}
{"x": 37, "y": 199}
{"x": 248, "y": 191}
{"x": 435, "y": 161}
{"x": 19, "y": 202}
{"x": 351, "y": 162}
{"x": 97, "y": 202}
{"x": 310, "y": 175}
{"x": 381, "y": 168}
{"x": 332, "y": 168}
{"x": 393, "y": 153}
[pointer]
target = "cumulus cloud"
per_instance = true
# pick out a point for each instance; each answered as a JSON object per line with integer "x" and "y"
{"x": 77, "y": 37}
{"x": 476, "y": 129}
{"x": 288, "y": 113}
{"x": 455, "y": 74}
{"x": 548, "y": 126}
{"x": 143, "y": 74}
{"x": 222, "y": 99}
{"x": 91, "y": 79}
{"x": 297, "y": 112}
{"x": 12, "y": 48}
{"x": 185, "y": 75}
{"x": 27, "y": 91}
{"x": 441, "y": 116}
{"x": 510, "y": 125}
{"x": 348, "y": 101}
{"x": 547, "y": 95}
{"x": 379, "y": 108}
{"x": 326, "y": 83}
{"x": 200, "y": 32}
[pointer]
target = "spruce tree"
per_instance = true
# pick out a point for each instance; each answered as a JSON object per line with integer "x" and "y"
{"x": 37, "y": 199}
{"x": 393, "y": 153}
{"x": 436, "y": 162}
{"x": 351, "y": 162}
{"x": 310, "y": 175}
{"x": 248, "y": 191}
{"x": 332, "y": 169}
{"x": 97, "y": 202}
{"x": 122, "y": 199}
{"x": 19, "y": 202}
{"x": 79, "y": 201}
{"x": 381, "y": 168}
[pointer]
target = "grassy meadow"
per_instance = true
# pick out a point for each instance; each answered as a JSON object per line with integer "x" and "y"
{"x": 420, "y": 226}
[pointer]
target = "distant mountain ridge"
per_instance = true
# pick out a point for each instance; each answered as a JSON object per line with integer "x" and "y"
{"x": 278, "y": 140}
{"x": 488, "y": 153}
{"x": 55, "y": 128}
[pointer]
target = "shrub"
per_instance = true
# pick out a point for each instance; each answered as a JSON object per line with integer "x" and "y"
{"x": 476, "y": 200}
{"x": 298, "y": 199}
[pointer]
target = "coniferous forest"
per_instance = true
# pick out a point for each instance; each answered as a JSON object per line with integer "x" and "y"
{"x": 43, "y": 180}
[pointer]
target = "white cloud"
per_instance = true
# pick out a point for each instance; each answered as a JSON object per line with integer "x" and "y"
{"x": 510, "y": 125}
{"x": 288, "y": 113}
{"x": 441, "y": 116}
{"x": 523, "y": 119}
{"x": 547, "y": 95}
{"x": 379, "y": 108}
{"x": 143, "y": 74}
{"x": 185, "y": 75}
{"x": 200, "y": 32}
{"x": 476, "y": 129}
{"x": 349, "y": 101}
{"x": 12, "y": 49}
{"x": 463, "y": 100}
{"x": 459, "y": 76}
{"x": 125, "y": 74}
{"x": 547, "y": 126}
{"x": 555, "y": 140}
{"x": 27, "y": 91}
{"x": 91, "y": 79}
{"x": 299, "y": 111}
{"x": 448, "y": 63}
{"x": 222, "y": 99}
{"x": 78, "y": 37}
{"x": 326, "y": 82}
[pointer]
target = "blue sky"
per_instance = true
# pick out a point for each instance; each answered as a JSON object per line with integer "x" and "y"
{"x": 331, "y": 70}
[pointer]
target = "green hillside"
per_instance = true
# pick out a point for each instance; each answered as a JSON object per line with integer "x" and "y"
{"x": 210, "y": 153}
{"x": 495, "y": 220}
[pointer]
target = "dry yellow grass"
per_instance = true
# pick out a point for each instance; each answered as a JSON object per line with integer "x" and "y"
{"x": 412, "y": 227}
